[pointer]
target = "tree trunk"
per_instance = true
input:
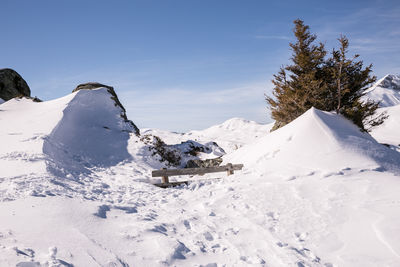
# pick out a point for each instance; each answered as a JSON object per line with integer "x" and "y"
{"x": 339, "y": 85}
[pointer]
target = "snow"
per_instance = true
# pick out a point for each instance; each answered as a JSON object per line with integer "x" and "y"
{"x": 317, "y": 141}
{"x": 386, "y": 91}
{"x": 316, "y": 192}
{"x": 89, "y": 134}
{"x": 230, "y": 135}
{"x": 1, "y": 101}
{"x": 389, "y": 131}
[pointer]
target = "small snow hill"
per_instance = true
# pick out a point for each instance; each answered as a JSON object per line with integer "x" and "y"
{"x": 387, "y": 92}
{"x": 230, "y": 135}
{"x": 317, "y": 141}
{"x": 65, "y": 136}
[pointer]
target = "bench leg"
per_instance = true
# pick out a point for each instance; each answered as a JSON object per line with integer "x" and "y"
{"x": 164, "y": 179}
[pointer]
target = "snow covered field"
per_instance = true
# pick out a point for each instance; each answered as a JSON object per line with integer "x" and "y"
{"x": 75, "y": 190}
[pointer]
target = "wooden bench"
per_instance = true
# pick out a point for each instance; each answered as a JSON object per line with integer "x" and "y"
{"x": 165, "y": 173}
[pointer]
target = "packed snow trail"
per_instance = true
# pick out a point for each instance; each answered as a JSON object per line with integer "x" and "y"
{"x": 244, "y": 220}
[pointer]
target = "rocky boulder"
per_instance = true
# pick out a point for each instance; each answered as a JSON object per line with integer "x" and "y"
{"x": 205, "y": 163}
{"x": 12, "y": 85}
{"x": 114, "y": 97}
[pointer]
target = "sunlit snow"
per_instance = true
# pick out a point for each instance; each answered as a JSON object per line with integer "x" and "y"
{"x": 76, "y": 190}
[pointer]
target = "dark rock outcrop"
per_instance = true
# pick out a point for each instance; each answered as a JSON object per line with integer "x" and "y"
{"x": 167, "y": 153}
{"x": 110, "y": 89}
{"x": 12, "y": 85}
{"x": 205, "y": 163}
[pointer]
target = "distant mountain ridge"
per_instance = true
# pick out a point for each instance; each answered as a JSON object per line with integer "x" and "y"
{"x": 230, "y": 135}
{"x": 386, "y": 91}
{"x": 390, "y": 81}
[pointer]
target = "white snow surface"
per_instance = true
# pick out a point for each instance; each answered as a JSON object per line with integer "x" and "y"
{"x": 316, "y": 192}
{"x": 389, "y": 131}
{"x": 230, "y": 135}
{"x": 317, "y": 141}
{"x": 1, "y": 101}
{"x": 386, "y": 91}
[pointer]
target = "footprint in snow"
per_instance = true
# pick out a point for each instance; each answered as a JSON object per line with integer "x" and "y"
{"x": 186, "y": 223}
{"x": 160, "y": 229}
{"x": 25, "y": 252}
{"x": 301, "y": 237}
{"x": 180, "y": 251}
{"x": 208, "y": 236}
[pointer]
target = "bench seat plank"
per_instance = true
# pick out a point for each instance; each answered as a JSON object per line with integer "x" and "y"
{"x": 195, "y": 171}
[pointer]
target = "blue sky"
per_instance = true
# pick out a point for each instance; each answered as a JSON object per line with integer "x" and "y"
{"x": 181, "y": 65}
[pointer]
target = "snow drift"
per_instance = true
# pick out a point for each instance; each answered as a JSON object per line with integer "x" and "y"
{"x": 317, "y": 141}
{"x": 90, "y": 134}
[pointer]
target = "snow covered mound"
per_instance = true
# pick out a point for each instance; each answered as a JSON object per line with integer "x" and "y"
{"x": 1, "y": 101}
{"x": 317, "y": 141}
{"x": 91, "y": 133}
{"x": 385, "y": 90}
{"x": 64, "y": 137}
{"x": 230, "y": 135}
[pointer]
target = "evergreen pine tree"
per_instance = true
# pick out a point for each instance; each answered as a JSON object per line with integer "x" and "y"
{"x": 336, "y": 83}
{"x": 348, "y": 81}
{"x": 297, "y": 86}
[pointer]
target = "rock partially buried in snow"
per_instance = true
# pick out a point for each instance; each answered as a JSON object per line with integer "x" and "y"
{"x": 110, "y": 89}
{"x": 12, "y": 85}
{"x": 91, "y": 133}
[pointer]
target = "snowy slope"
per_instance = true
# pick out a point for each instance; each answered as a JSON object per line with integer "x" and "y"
{"x": 317, "y": 141}
{"x": 24, "y": 125}
{"x": 389, "y": 131}
{"x": 230, "y": 135}
{"x": 1, "y": 101}
{"x": 386, "y": 91}
{"x": 75, "y": 191}
{"x": 333, "y": 189}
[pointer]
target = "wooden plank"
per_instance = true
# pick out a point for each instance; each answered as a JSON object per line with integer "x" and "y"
{"x": 196, "y": 171}
{"x": 173, "y": 184}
